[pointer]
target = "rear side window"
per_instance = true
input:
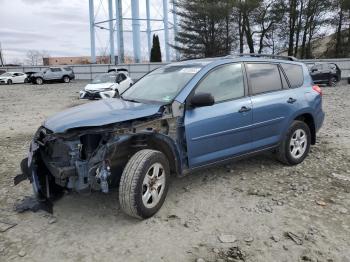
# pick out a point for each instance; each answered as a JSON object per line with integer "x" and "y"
{"x": 56, "y": 69}
{"x": 294, "y": 74}
{"x": 264, "y": 78}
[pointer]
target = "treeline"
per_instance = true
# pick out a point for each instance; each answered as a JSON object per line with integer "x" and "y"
{"x": 210, "y": 28}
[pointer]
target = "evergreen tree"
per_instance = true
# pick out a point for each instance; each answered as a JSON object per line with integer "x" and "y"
{"x": 156, "y": 54}
{"x": 205, "y": 28}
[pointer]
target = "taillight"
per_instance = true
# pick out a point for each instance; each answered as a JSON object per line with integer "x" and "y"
{"x": 317, "y": 89}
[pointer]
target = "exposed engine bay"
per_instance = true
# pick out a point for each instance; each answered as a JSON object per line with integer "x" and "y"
{"x": 92, "y": 158}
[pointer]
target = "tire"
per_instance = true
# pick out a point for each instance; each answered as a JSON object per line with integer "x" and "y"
{"x": 285, "y": 152}
{"x": 9, "y": 82}
{"x": 39, "y": 81}
{"x": 26, "y": 80}
{"x": 136, "y": 191}
{"x": 333, "y": 81}
{"x": 66, "y": 79}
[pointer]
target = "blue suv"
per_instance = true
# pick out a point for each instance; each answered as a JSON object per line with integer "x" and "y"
{"x": 179, "y": 118}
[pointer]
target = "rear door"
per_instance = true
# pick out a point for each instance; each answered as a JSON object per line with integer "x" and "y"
{"x": 222, "y": 130}
{"x": 57, "y": 73}
{"x": 49, "y": 74}
{"x": 20, "y": 78}
{"x": 273, "y": 103}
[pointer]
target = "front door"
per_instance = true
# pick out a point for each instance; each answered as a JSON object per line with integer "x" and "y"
{"x": 222, "y": 130}
{"x": 273, "y": 103}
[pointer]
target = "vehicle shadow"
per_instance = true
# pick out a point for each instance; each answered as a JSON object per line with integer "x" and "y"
{"x": 105, "y": 207}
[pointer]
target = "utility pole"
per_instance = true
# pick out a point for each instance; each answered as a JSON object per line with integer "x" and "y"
{"x": 148, "y": 14}
{"x": 136, "y": 30}
{"x": 92, "y": 31}
{"x": 1, "y": 57}
{"x": 166, "y": 30}
{"x": 111, "y": 32}
{"x": 120, "y": 37}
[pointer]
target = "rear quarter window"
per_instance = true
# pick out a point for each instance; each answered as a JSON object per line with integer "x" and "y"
{"x": 294, "y": 74}
{"x": 264, "y": 78}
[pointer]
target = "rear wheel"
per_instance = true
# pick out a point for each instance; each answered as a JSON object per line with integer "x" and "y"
{"x": 9, "y": 82}
{"x": 296, "y": 144}
{"x": 332, "y": 81}
{"x": 144, "y": 183}
{"x": 39, "y": 81}
{"x": 66, "y": 79}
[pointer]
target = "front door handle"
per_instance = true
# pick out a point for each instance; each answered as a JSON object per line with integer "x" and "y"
{"x": 244, "y": 109}
{"x": 291, "y": 100}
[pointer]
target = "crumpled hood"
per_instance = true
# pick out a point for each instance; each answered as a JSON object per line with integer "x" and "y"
{"x": 97, "y": 87}
{"x": 99, "y": 113}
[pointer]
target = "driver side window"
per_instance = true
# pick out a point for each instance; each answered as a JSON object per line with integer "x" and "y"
{"x": 224, "y": 83}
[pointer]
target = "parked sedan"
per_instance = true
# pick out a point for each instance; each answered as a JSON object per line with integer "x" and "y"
{"x": 107, "y": 86}
{"x": 13, "y": 78}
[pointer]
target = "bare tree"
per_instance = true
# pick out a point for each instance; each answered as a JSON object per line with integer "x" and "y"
{"x": 33, "y": 57}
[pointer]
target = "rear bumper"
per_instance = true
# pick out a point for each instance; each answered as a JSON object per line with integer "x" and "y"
{"x": 319, "y": 120}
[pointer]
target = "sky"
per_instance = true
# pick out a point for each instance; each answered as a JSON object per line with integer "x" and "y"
{"x": 61, "y": 27}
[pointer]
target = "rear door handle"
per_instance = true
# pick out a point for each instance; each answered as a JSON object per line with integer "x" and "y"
{"x": 244, "y": 109}
{"x": 291, "y": 100}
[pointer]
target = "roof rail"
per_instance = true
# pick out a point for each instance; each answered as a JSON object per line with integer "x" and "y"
{"x": 281, "y": 57}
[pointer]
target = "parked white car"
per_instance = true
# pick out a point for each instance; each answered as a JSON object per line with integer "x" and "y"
{"x": 13, "y": 78}
{"x": 107, "y": 86}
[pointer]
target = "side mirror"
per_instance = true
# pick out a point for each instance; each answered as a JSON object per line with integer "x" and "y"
{"x": 202, "y": 99}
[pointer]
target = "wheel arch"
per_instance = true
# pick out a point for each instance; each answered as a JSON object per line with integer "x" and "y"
{"x": 308, "y": 119}
{"x": 167, "y": 146}
{"x": 159, "y": 142}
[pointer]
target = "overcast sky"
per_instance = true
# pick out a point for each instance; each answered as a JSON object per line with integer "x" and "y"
{"x": 61, "y": 27}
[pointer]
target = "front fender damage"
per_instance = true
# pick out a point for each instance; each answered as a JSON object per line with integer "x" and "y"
{"x": 86, "y": 159}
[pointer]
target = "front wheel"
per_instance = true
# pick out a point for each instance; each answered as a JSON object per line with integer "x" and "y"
{"x": 332, "y": 81}
{"x": 9, "y": 82}
{"x": 296, "y": 144}
{"x": 39, "y": 81}
{"x": 66, "y": 79}
{"x": 144, "y": 183}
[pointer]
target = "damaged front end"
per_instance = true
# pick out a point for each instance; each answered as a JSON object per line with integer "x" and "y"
{"x": 92, "y": 158}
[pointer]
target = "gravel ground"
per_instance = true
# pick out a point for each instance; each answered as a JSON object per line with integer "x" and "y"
{"x": 251, "y": 210}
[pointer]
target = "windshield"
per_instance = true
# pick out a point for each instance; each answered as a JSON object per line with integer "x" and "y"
{"x": 161, "y": 85}
{"x": 7, "y": 74}
{"x": 105, "y": 78}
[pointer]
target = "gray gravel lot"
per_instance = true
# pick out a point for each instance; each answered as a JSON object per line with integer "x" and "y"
{"x": 251, "y": 210}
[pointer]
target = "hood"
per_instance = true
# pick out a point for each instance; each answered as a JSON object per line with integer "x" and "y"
{"x": 97, "y": 87}
{"x": 5, "y": 77}
{"x": 102, "y": 112}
